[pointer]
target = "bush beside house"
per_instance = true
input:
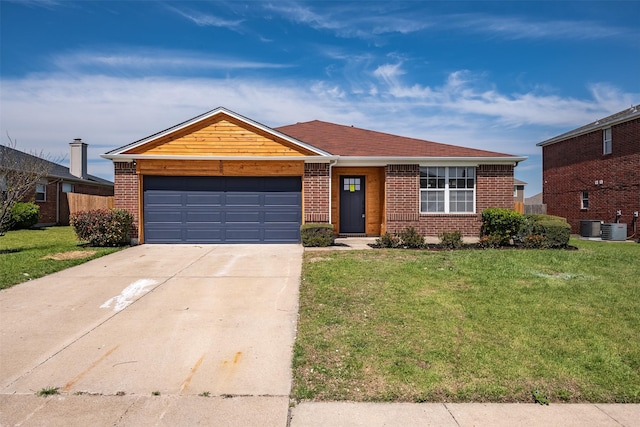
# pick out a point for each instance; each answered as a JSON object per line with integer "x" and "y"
{"x": 23, "y": 215}
{"x": 317, "y": 235}
{"x": 103, "y": 227}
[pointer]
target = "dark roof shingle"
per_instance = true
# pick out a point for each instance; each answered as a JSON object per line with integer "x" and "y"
{"x": 351, "y": 141}
{"x": 57, "y": 170}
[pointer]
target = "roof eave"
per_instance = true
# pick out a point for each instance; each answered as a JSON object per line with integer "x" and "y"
{"x": 583, "y": 130}
{"x": 430, "y": 160}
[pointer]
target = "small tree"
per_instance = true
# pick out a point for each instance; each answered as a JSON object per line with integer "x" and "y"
{"x": 19, "y": 174}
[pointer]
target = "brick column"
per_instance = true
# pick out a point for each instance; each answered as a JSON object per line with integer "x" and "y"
{"x": 402, "y": 189}
{"x": 126, "y": 192}
{"x": 316, "y": 192}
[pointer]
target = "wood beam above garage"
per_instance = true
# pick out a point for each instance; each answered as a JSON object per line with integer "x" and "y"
{"x": 160, "y": 167}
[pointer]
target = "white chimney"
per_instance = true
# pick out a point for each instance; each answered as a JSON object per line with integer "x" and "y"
{"x": 78, "y": 159}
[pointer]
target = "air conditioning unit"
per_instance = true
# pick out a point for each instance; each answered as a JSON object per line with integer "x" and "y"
{"x": 590, "y": 228}
{"x": 615, "y": 231}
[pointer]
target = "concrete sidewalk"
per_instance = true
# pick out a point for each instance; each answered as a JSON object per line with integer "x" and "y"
{"x": 351, "y": 414}
{"x": 270, "y": 411}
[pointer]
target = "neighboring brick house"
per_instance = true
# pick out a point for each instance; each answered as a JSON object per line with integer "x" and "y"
{"x": 51, "y": 193}
{"x": 518, "y": 191}
{"x": 593, "y": 172}
{"x": 221, "y": 177}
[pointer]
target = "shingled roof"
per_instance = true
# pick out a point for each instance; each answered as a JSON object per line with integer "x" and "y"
{"x": 56, "y": 170}
{"x": 352, "y": 141}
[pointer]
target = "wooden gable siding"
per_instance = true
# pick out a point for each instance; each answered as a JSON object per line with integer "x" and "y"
{"x": 220, "y": 137}
{"x": 219, "y": 167}
{"x": 374, "y": 197}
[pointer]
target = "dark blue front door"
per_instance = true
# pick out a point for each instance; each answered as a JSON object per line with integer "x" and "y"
{"x": 222, "y": 209}
{"x": 352, "y": 204}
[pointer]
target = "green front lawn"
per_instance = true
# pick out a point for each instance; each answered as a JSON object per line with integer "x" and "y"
{"x": 470, "y": 325}
{"x": 29, "y": 254}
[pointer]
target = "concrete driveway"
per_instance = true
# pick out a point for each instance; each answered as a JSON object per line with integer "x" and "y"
{"x": 181, "y": 320}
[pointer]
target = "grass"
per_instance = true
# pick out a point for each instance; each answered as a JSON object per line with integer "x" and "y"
{"x": 48, "y": 391}
{"x": 470, "y": 325}
{"x": 29, "y": 254}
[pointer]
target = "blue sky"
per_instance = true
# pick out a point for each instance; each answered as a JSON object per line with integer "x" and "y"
{"x": 500, "y": 75}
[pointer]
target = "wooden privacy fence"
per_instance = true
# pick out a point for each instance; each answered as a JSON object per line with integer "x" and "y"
{"x": 519, "y": 207}
{"x": 88, "y": 202}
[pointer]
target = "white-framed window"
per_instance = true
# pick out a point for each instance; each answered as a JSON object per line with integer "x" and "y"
{"x": 606, "y": 141}
{"x": 584, "y": 200}
{"x": 67, "y": 187}
{"x": 447, "y": 189}
{"x": 41, "y": 192}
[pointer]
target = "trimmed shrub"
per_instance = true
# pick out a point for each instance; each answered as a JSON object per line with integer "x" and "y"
{"x": 502, "y": 224}
{"x": 317, "y": 235}
{"x": 491, "y": 241}
{"x": 388, "y": 240}
{"x": 545, "y": 231}
{"x": 24, "y": 215}
{"x": 410, "y": 238}
{"x": 556, "y": 234}
{"x": 451, "y": 239}
{"x": 102, "y": 227}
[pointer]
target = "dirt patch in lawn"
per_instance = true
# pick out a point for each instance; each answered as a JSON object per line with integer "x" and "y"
{"x": 62, "y": 256}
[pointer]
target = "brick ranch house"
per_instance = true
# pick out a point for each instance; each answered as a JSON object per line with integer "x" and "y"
{"x": 50, "y": 193}
{"x": 592, "y": 172}
{"x": 223, "y": 178}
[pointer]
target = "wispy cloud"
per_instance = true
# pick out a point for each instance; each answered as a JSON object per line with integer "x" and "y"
{"x": 46, "y": 4}
{"x": 512, "y": 27}
{"x": 346, "y": 21}
{"x": 154, "y": 62}
{"x": 208, "y": 20}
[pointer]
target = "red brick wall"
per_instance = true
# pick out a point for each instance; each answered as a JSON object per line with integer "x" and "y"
{"x": 574, "y": 165}
{"x": 316, "y": 192}
{"x": 54, "y": 192}
{"x": 126, "y": 191}
{"x": 48, "y": 207}
{"x": 494, "y": 188}
{"x": 402, "y": 190}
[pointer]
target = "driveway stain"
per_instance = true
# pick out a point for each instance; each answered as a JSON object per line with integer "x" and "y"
{"x": 187, "y": 381}
{"x": 78, "y": 377}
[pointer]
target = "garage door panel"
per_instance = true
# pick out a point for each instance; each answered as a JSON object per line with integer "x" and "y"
{"x": 203, "y": 217}
{"x": 207, "y": 235}
{"x": 164, "y": 217}
{"x": 235, "y": 216}
{"x": 163, "y": 198}
{"x": 222, "y": 209}
{"x": 249, "y": 235}
{"x": 282, "y": 217}
{"x": 277, "y": 236}
{"x": 243, "y": 199}
{"x": 205, "y": 199}
{"x": 162, "y": 235}
{"x": 275, "y": 199}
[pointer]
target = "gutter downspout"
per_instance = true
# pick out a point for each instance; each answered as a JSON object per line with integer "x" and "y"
{"x": 331, "y": 164}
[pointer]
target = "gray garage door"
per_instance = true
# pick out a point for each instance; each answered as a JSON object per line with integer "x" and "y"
{"x": 222, "y": 209}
